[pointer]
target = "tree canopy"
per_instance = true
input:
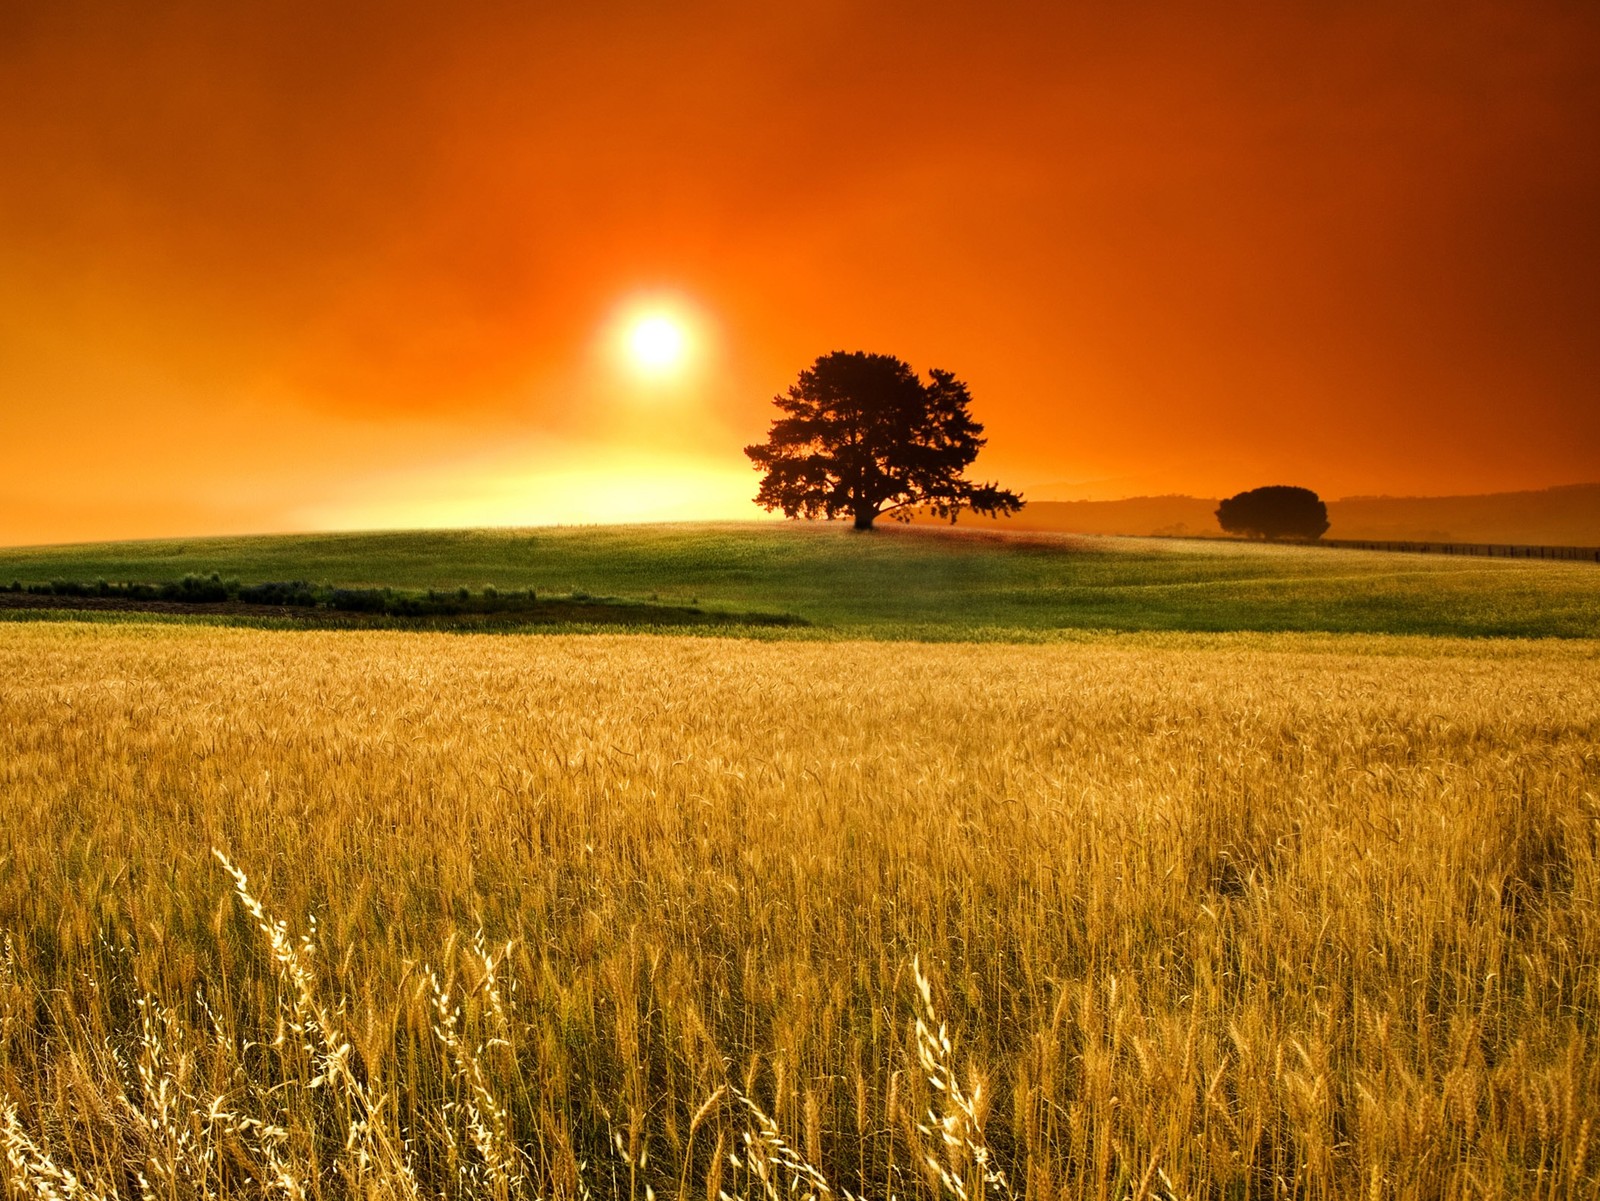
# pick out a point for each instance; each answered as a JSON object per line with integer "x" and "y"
{"x": 863, "y": 436}
{"x": 1277, "y": 511}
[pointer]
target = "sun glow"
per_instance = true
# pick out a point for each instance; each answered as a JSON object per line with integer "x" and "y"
{"x": 554, "y": 482}
{"x": 663, "y": 339}
{"x": 657, "y": 343}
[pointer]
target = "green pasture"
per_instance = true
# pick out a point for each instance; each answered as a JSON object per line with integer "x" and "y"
{"x": 902, "y": 582}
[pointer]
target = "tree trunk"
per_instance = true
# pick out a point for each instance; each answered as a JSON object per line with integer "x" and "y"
{"x": 865, "y": 518}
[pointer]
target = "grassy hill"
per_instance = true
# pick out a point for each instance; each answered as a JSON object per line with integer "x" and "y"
{"x": 900, "y": 582}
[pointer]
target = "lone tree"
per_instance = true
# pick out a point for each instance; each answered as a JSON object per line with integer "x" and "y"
{"x": 862, "y": 435}
{"x": 1279, "y": 511}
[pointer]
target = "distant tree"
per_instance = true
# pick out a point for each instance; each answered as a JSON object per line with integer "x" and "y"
{"x": 1279, "y": 511}
{"x": 862, "y": 436}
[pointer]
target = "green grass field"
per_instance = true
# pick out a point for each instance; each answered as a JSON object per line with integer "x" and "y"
{"x": 897, "y": 582}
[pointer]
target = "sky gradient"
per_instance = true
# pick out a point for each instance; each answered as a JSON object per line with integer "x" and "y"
{"x": 276, "y": 266}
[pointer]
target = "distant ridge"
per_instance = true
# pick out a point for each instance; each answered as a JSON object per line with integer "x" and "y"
{"x": 1183, "y": 516}
{"x": 1564, "y": 516}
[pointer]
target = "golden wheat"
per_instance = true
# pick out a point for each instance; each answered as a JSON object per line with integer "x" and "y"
{"x": 643, "y": 917}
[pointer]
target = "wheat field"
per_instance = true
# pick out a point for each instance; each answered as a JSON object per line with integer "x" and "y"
{"x": 334, "y": 914}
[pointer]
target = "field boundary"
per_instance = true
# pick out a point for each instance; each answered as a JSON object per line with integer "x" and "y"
{"x": 1489, "y": 550}
{"x": 545, "y": 611}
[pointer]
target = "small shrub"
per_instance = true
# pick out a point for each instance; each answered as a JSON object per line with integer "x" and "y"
{"x": 293, "y": 592}
{"x": 357, "y": 600}
{"x": 195, "y": 589}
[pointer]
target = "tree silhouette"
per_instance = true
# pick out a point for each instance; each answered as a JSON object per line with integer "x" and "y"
{"x": 1278, "y": 511}
{"x": 863, "y": 436}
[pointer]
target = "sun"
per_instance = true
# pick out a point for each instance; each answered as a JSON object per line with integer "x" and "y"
{"x": 657, "y": 343}
{"x": 663, "y": 339}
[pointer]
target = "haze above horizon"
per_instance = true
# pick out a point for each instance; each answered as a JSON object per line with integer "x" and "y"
{"x": 281, "y": 267}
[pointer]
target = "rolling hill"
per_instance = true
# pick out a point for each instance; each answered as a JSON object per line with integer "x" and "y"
{"x": 920, "y": 582}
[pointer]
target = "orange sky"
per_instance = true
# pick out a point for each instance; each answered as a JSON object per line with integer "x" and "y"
{"x": 302, "y": 265}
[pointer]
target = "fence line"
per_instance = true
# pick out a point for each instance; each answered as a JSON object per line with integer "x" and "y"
{"x": 1492, "y": 550}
